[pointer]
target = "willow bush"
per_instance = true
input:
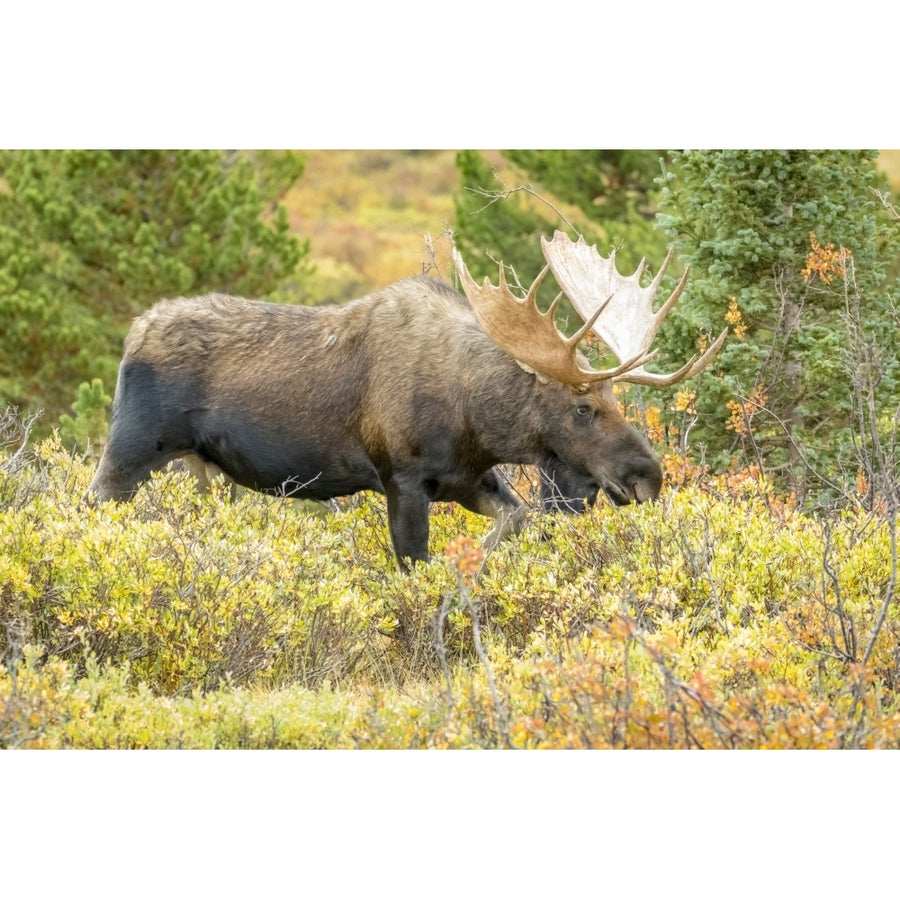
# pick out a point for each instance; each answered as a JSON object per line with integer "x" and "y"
{"x": 720, "y": 616}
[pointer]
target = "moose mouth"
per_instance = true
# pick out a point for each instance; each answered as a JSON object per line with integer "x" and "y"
{"x": 639, "y": 490}
{"x": 574, "y": 491}
{"x": 617, "y": 494}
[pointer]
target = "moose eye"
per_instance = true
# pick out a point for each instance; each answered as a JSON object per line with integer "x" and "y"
{"x": 583, "y": 409}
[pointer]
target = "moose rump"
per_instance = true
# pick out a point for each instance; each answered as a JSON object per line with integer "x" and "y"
{"x": 229, "y": 380}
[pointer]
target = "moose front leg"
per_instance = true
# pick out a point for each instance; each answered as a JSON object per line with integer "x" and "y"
{"x": 491, "y": 497}
{"x": 407, "y": 509}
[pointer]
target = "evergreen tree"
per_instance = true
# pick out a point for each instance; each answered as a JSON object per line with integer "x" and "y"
{"x": 493, "y": 227}
{"x": 89, "y": 422}
{"x": 90, "y": 238}
{"x": 609, "y": 186}
{"x": 612, "y": 192}
{"x": 765, "y": 231}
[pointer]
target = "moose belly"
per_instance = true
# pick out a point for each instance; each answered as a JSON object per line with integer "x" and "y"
{"x": 278, "y": 465}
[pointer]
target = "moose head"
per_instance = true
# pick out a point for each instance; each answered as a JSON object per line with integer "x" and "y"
{"x": 613, "y": 308}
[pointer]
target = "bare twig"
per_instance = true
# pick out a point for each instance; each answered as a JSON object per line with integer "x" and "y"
{"x": 493, "y": 197}
{"x": 14, "y": 430}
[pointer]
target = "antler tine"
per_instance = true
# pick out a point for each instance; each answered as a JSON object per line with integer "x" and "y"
{"x": 524, "y": 332}
{"x": 586, "y": 329}
{"x": 674, "y": 296}
{"x": 692, "y": 367}
{"x": 628, "y": 323}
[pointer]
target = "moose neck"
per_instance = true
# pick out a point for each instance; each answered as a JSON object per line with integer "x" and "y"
{"x": 511, "y": 409}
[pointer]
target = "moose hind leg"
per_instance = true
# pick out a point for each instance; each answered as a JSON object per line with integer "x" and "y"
{"x": 203, "y": 472}
{"x": 117, "y": 481}
{"x": 124, "y": 466}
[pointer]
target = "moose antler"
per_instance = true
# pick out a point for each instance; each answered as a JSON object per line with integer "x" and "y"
{"x": 530, "y": 336}
{"x": 620, "y": 310}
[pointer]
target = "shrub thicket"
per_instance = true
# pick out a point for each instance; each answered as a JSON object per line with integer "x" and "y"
{"x": 722, "y": 616}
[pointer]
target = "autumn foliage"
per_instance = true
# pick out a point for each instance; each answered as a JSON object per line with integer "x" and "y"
{"x": 721, "y": 616}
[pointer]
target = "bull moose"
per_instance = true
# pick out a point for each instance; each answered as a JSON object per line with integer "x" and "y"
{"x": 413, "y": 391}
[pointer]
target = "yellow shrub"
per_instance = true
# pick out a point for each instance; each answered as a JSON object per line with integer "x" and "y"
{"x": 720, "y": 616}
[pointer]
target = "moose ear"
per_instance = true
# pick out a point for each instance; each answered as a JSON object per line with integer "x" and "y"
{"x": 530, "y": 336}
{"x": 620, "y": 309}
